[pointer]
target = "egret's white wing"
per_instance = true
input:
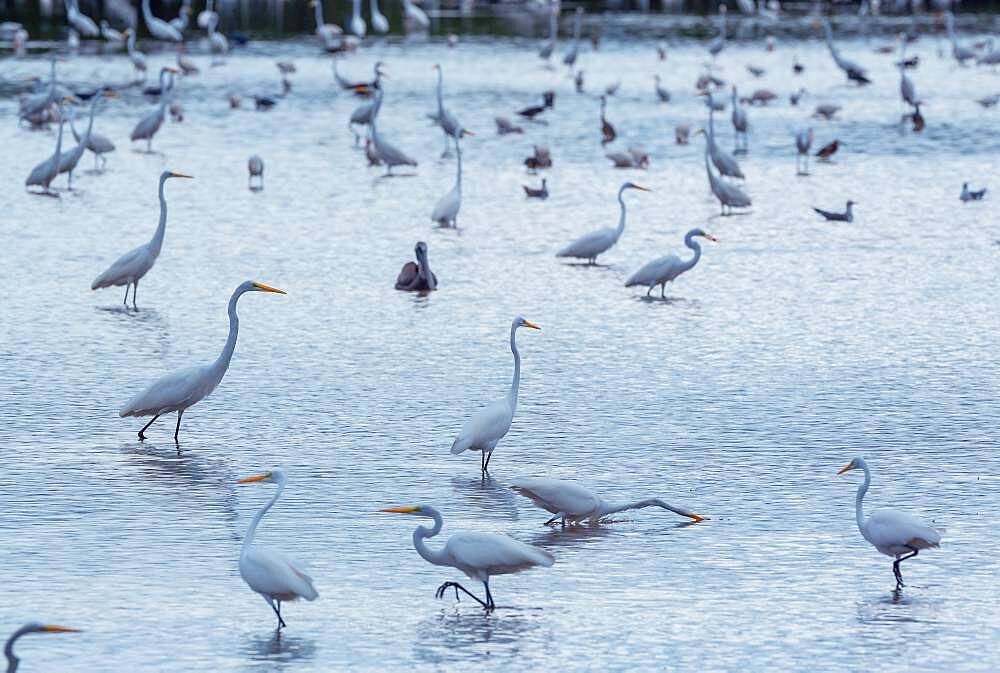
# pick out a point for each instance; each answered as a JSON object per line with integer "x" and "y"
{"x": 270, "y": 572}
{"x": 171, "y": 392}
{"x": 888, "y": 527}
{"x": 555, "y": 495}
{"x": 494, "y": 554}
{"x": 133, "y": 264}
{"x": 485, "y": 428}
{"x": 652, "y": 272}
{"x": 589, "y": 245}
{"x": 447, "y": 206}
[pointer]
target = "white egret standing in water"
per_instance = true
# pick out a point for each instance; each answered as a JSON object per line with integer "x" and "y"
{"x": 663, "y": 270}
{"x": 451, "y": 127}
{"x": 44, "y": 173}
{"x": 893, "y": 533}
{"x": 137, "y": 57}
{"x": 134, "y": 264}
{"x": 82, "y": 23}
{"x": 729, "y": 196}
{"x": 488, "y": 426}
{"x": 8, "y": 650}
{"x": 478, "y": 555}
{"x": 379, "y": 22}
{"x": 270, "y": 573}
{"x": 150, "y": 124}
{"x": 181, "y": 389}
{"x": 446, "y": 209}
{"x": 327, "y": 33}
{"x": 69, "y": 160}
{"x": 589, "y": 246}
{"x": 159, "y": 28}
{"x": 357, "y": 24}
{"x": 574, "y": 503}
{"x": 387, "y": 153}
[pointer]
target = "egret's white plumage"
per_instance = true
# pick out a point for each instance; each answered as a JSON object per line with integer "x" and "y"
{"x": 589, "y": 246}
{"x": 379, "y": 22}
{"x": 217, "y": 41}
{"x": 724, "y": 162}
{"x": 893, "y": 533}
{"x": 487, "y": 427}
{"x": 478, "y": 555}
{"x": 137, "y": 57}
{"x": 574, "y": 503}
{"x": 82, "y": 23}
{"x": 69, "y": 159}
{"x": 45, "y": 172}
{"x": 357, "y": 24}
{"x": 267, "y": 571}
{"x": 159, "y": 28}
{"x": 663, "y": 270}
{"x": 327, "y": 33}
{"x": 180, "y": 390}
{"x": 387, "y": 153}
{"x": 150, "y": 124}
{"x": 446, "y": 209}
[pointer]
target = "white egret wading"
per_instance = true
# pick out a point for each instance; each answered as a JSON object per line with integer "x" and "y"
{"x": 574, "y": 503}
{"x": 597, "y": 242}
{"x": 183, "y": 388}
{"x": 894, "y": 533}
{"x": 267, "y": 571}
{"x": 663, "y": 270}
{"x": 8, "y": 650}
{"x": 478, "y": 555}
{"x": 488, "y": 426}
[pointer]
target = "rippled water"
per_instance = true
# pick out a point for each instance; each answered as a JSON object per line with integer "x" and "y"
{"x": 793, "y": 346}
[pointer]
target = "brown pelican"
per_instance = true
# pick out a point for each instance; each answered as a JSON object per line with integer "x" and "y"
{"x": 417, "y": 276}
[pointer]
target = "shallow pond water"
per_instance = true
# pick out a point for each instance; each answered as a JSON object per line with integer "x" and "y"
{"x": 793, "y": 346}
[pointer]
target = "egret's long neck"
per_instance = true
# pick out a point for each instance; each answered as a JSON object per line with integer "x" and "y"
{"x": 621, "y": 215}
{"x": 694, "y": 245}
{"x": 607, "y": 508}
{"x": 516, "y": 382}
{"x": 458, "y": 179}
{"x": 157, "y": 241}
{"x": 858, "y": 510}
{"x": 62, "y": 121}
{"x": 8, "y": 650}
{"x": 222, "y": 363}
{"x": 252, "y": 530}
{"x": 440, "y": 90}
{"x": 147, "y": 13}
{"x": 318, "y": 7}
{"x": 421, "y": 533}
{"x": 90, "y": 124}
{"x": 131, "y": 42}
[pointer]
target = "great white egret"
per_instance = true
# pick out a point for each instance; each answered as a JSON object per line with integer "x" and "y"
{"x": 180, "y": 22}
{"x": 255, "y": 166}
{"x": 663, "y": 270}
{"x": 570, "y": 58}
{"x": 803, "y": 141}
{"x": 379, "y": 22}
{"x": 111, "y": 35}
{"x": 8, "y": 650}
{"x": 907, "y": 91}
{"x": 159, "y": 28}
{"x": 97, "y": 143}
{"x": 846, "y": 216}
{"x": 589, "y": 246}
{"x": 387, "y": 153}
{"x": 959, "y": 52}
{"x": 488, "y": 426}
{"x": 446, "y": 209}
{"x": 478, "y": 555}
{"x": 137, "y": 57}
{"x": 205, "y": 15}
{"x": 217, "y": 42}
{"x": 574, "y": 503}
{"x": 893, "y": 533}
{"x": 740, "y": 124}
{"x": 853, "y": 71}
{"x": 357, "y": 24}
{"x": 417, "y": 276}
{"x": 179, "y": 390}
{"x": 270, "y": 573}
{"x": 451, "y": 127}
{"x": 729, "y": 196}
{"x": 327, "y": 33}
{"x": 82, "y": 23}
{"x": 134, "y": 264}
{"x": 723, "y": 161}
{"x": 69, "y": 160}
{"x": 414, "y": 18}
{"x": 148, "y": 126}
{"x": 44, "y": 173}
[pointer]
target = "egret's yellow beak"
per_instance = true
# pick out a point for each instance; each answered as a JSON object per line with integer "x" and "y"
{"x": 695, "y": 517}
{"x": 59, "y": 629}
{"x": 181, "y": 175}
{"x": 711, "y": 238}
{"x": 845, "y": 469}
{"x": 531, "y": 325}
{"x": 268, "y": 288}
{"x": 250, "y": 480}
{"x": 401, "y": 510}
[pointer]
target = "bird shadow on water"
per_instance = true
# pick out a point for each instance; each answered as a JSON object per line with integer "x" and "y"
{"x": 895, "y": 607}
{"x": 278, "y": 648}
{"x": 655, "y": 300}
{"x": 487, "y": 493}
{"x": 467, "y": 633}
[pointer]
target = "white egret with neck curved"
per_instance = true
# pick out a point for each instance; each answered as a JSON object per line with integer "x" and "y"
{"x": 589, "y": 246}
{"x": 479, "y": 555}
{"x": 893, "y": 533}
{"x": 184, "y": 388}
{"x": 663, "y": 270}
{"x": 488, "y": 426}
{"x": 267, "y": 571}
{"x": 130, "y": 268}
{"x": 571, "y": 502}
{"x": 34, "y": 627}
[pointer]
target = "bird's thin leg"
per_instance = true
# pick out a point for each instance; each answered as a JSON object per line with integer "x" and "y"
{"x": 649, "y": 289}
{"x": 277, "y": 611}
{"x": 490, "y": 605}
{"x": 482, "y": 462}
{"x": 560, "y": 515}
{"x": 177, "y": 431}
{"x": 663, "y": 290}
{"x": 149, "y": 145}
{"x": 146, "y": 427}
{"x": 135, "y": 291}
{"x": 486, "y": 467}
{"x": 70, "y": 185}
{"x": 456, "y": 586}
{"x": 95, "y": 161}
{"x": 125, "y": 302}
{"x": 895, "y": 567}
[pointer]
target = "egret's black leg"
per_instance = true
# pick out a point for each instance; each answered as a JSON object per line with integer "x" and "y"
{"x": 482, "y": 461}
{"x": 456, "y": 586}
{"x": 142, "y": 436}
{"x": 895, "y": 567}
{"x": 490, "y": 605}
{"x": 486, "y": 467}
{"x": 177, "y": 431}
{"x": 277, "y": 611}
{"x": 135, "y": 291}
{"x": 125, "y": 301}
{"x": 649, "y": 289}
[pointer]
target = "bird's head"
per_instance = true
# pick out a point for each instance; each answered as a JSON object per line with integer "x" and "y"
{"x": 851, "y": 203}
{"x": 632, "y": 185}
{"x": 416, "y": 510}
{"x": 49, "y": 628}
{"x": 420, "y": 250}
{"x": 275, "y": 476}
{"x": 854, "y": 464}
{"x": 521, "y": 322}
{"x": 166, "y": 175}
{"x": 706, "y": 235}
{"x": 251, "y": 286}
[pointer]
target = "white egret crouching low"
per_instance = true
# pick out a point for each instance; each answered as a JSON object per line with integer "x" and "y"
{"x": 488, "y": 426}
{"x": 478, "y": 555}
{"x": 574, "y": 503}
{"x": 183, "y": 388}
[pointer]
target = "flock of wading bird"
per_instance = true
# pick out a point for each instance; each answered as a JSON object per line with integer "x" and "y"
{"x": 479, "y": 556}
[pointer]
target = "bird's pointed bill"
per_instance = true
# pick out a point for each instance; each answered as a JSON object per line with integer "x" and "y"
{"x": 845, "y": 469}
{"x": 697, "y": 518}
{"x": 268, "y": 288}
{"x": 712, "y": 238}
{"x": 531, "y": 325}
{"x": 181, "y": 175}
{"x": 256, "y": 478}
{"x": 401, "y": 510}
{"x": 59, "y": 629}
{"x": 645, "y": 189}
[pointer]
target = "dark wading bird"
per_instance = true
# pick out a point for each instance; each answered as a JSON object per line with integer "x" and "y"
{"x": 8, "y": 650}
{"x": 970, "y": 195}
{"x": 184, "y": 388}
{"x": 663, "y": 270}
{"x": 893, "y": 533}
{"x": 130, "y": 268}
{"x": 548, "y": 101}
{"x": 608, "y": 133}
{"x": 846, "y": 216}
{"x": 417, "y": 276}
{"x": 479, "y": 555}
{"x": 828, "y": 150}
{"x": 255, "y": 167}
{"x": 540, "y": 193}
